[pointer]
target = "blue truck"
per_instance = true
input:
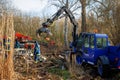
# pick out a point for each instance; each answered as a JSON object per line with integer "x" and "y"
{"x": 95, "y": 49}
{"x": 91, "y": 48}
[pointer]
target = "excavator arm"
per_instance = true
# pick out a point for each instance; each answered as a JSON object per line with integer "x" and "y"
{"x": 46, "y": 24}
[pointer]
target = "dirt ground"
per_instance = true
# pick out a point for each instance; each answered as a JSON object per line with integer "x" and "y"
{"x": 54, "y": 67}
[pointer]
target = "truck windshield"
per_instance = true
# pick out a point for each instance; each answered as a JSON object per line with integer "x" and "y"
{"x": 101, "y": 42}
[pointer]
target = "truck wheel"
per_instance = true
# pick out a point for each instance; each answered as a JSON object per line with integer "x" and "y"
{"x": 78, "y": 59}
{"x": 103, "y": 69}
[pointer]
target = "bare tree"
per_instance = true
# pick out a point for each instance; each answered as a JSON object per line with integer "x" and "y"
{"x": 107, "y": 12}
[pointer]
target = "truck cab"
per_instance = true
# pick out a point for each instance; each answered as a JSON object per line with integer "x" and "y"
{"x": 94, "y": 49}
{"x": 92, "y": 45}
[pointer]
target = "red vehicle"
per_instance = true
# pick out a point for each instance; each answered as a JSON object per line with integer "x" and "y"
{"x": 22, "y": 38}
{"x": 25, "y": 41}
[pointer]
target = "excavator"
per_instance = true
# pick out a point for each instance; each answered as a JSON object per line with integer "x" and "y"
{"x": 49, "y": 21}
{"x": 89, "y": 48}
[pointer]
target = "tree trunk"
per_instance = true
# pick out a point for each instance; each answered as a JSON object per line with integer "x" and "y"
{"x": 66, "y": 32}
{"x": 66, "y": 29}
{"x": 83, "y": 26}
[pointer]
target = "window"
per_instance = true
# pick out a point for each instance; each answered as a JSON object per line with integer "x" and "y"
{"x": 86, "y": 43}
{"x": 101, "y": 42}
{"x": 80, "y": 41}
{"x": 92, "y": 42}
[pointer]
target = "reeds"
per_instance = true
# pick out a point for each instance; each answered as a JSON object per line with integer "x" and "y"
{"x": 6, "y": 47}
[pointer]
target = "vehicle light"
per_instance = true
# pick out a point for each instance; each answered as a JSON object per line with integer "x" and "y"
{"x": 118, "y": 67}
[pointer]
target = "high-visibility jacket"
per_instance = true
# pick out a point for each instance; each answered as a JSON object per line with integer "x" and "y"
{"x": 36, "y": 49}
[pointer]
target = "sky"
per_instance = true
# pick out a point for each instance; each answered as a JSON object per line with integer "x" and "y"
{"x": 36, "y": 7}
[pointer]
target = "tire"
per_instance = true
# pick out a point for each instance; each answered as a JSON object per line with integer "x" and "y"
{"x": 103, "y": 69}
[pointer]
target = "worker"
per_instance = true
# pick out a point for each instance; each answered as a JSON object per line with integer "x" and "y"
{"x": 37, "y": 52}
{"x": 7, "y": 43}
{"x": 17, "y": 44}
